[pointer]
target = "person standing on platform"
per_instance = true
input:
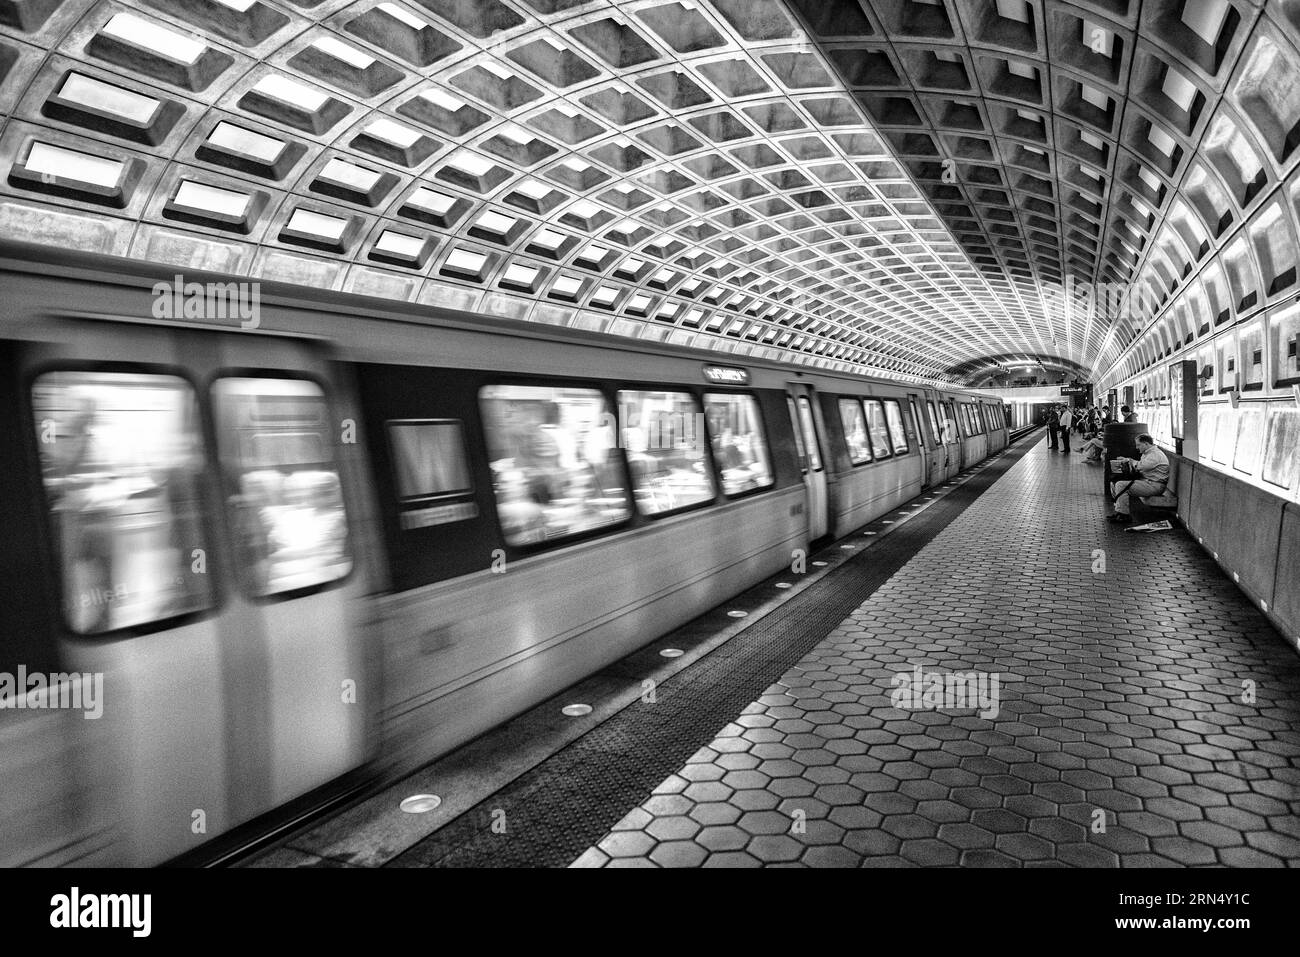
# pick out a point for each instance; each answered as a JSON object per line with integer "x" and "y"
{"x": 1067, "y": 422}
{"x": 1053, "y": 428}
{"x": 1128, "y": 414}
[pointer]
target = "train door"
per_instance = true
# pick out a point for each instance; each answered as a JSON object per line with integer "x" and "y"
{"x": 924, "y": 441}
{"x": 203, "y": 546}
{"x": 940, "y": 465}
{"x": 952, "y": 437}
{"x": 811, "y": 458}
{"x": 43, "y": 822}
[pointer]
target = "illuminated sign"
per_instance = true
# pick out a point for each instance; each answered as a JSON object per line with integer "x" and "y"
{"x": 1176, "y": 400}
{"x": 439, "y": 515}
{"x": 1076, "y": 390}
{"x": 726, "y": 375}
{"x": 1183, "y": 386}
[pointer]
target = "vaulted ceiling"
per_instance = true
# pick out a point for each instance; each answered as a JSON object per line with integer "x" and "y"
{"x": 915, "y": 188}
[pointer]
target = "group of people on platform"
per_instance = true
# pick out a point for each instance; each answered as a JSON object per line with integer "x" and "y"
{"x": 1089, "y": 422}
{"x": 1143, "y": 477}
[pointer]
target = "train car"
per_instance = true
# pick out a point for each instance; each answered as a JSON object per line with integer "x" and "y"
{"x": 331, "y": 541}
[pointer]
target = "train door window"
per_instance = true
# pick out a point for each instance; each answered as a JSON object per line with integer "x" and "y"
{"x": 798, "y": 435}
{"x": 950, "y": 433}
{"x": 877, "y": 428}
{"x": 855, "y": 431}
{"x": 121, "y": 459}
{"x": 275, "y": 439}
{"x": 1282, "y": 454}
{"x": 664, "y": 442}
{"x": 897, "y": 431}
{"x": 555, "y": 471}
{"x": 808, "y": 426}
{"x": 924, "y": 434}
{"x": 935, "y": 428}
{"x": 736, "y": 431}
{"x": 431, "y": 471}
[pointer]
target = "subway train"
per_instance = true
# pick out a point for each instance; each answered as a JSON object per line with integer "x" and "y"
{"x": 256, "y": 557}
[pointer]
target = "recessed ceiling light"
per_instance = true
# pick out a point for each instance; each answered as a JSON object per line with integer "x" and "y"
{"x": 74, "y": 165}
{"x": 151, "y": 36}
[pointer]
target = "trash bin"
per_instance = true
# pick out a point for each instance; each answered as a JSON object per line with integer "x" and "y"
{"x": 1120, "y": 441}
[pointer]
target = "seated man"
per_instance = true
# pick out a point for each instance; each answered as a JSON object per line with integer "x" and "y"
{"x": 1093, "y": 448}
{"x": 1152, "y": 476}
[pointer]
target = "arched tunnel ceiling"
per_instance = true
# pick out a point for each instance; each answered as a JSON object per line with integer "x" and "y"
{"x": 1008, "y": 367}
{"x": 899, "y": 186}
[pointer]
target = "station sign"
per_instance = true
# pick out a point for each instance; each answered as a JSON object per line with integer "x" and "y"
{"x": 1076, "y": 390}
{"x": 726, "y": 375}
{"x": 1183, "y": 388}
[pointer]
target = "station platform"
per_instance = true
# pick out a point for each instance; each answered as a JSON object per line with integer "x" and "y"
{"x": 1116, "y": 734}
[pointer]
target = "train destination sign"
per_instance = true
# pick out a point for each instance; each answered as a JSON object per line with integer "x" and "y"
{"x": 726, "y": 375}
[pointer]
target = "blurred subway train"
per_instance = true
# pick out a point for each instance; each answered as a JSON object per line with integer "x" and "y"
{"x": 333, "y": 541}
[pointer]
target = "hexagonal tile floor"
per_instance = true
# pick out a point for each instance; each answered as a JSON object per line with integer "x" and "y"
{"x": 1117, "y": 736}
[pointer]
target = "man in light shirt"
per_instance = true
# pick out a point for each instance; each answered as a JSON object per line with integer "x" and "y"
{"x": 1152, "y": 477}
{"x": 1067, "y": 423}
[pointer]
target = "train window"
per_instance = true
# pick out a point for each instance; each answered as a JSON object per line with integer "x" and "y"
{"x": 738, "y": 443}
{"x": 855, "y": 431}
{"x": 809, "y": 429}
{"x": 428, "y": 459}
{"x": 121, "y": 460}
{"x": 897, "y": 431}
{"x": 877, "y": 428}
{"x": 554, "y": 469}
{"x": 664, "y": 439}
{"x": 1282, "y": 455}
{"x": 798, "y": 434}
{"x": 275, "y": 439}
